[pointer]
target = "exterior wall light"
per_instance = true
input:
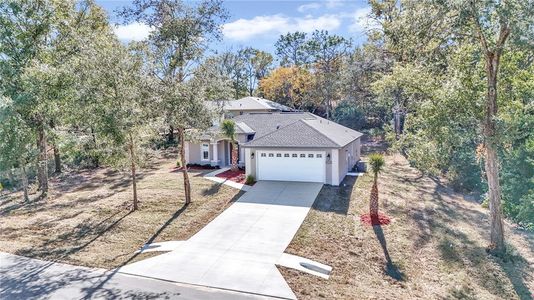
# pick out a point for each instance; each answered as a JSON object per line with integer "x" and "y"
{"x": 252, "y": 155}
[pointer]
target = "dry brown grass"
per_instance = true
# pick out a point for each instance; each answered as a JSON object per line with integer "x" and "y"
{"x": 86, "y": 220}
{"x": 436, "y": 244}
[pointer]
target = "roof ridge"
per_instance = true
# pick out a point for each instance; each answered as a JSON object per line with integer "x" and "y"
{"x": 303, "y": 121}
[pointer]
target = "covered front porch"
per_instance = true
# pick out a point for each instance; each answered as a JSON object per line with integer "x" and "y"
{"x": 212, "y": 152}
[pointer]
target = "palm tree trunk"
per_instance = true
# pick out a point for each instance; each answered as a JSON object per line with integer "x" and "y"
{"x": 187, "y": 184}
{"x": 234, "y": 156}
{"x": 373, "y": 203}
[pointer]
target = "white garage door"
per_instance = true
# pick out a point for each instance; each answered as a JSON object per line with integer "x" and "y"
{"x": 308, "y": 166}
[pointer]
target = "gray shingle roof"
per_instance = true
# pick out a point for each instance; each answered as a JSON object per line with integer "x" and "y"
{"x": 297, "y": 134}
{"x": 254, "y": 103}
{"x": 295, "y": 129}
{"x": 243, "y": 128}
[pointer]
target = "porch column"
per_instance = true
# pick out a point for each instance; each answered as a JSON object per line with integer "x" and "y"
{"x": 335, "y": 167}
{"x": 215, "y": 156}
{"x": 241, "y": 156}
{"x": 248, "y": 162}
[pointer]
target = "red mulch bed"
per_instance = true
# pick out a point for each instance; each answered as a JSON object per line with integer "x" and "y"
{"x": 381, "y": 220}
{"x": 236, "y": 176}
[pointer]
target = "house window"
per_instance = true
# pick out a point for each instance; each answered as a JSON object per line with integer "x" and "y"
{"x": 310, "y": 155}
{"x": 319, "y": 155}
{"x": 271, "y": 155}
{"x": 278, "y": 154}
{"x": 263, "y": 155}
{"x": 294, "y": 155}
{"x": 205, "y": 151}
{"x": 286, "y": 155}
{"x": 302, "y": 155}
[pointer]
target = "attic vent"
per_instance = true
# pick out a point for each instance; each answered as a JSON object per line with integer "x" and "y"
{"x": 278, "y": 126}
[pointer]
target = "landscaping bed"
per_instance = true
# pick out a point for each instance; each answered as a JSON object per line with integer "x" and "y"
{"x": 235, "y": 176}
{"x": 196, "y": 167}
{"x": 87, "y": 219}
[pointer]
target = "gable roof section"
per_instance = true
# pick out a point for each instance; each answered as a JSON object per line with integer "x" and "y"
{"x": 295, "y": 129}
{"x": 265, "y": 123}
{"x": 243, "y": 128}
{"x": 254, "y": 103}
{"x": 339, "y": 134}
{"x": 297, "y": 134}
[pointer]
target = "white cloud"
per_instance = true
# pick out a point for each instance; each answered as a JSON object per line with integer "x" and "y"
{"x": 334, "y": 3}
{"x": 132, "y": 32}
{"x": 245, "y": 29}
{"x": 309, "y": 24}
{"x": 311, "y": 6}
{"x": 361, "y": 20}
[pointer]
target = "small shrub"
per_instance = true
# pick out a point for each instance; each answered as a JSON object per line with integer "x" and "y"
{"x": 178, "y": 164}
{"x": 250, "y": 180}
{"x": 1, "y": 187}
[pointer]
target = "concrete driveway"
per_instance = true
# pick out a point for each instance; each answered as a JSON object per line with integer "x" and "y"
{"x": 238, "y": 249}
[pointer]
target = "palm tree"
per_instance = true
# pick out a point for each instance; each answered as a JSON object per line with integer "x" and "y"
{"x": 376, "y": 161}
{"x": 228, "y": 130}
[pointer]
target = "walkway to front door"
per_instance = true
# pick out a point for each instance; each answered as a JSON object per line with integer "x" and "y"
{"x": 238, "y": 249}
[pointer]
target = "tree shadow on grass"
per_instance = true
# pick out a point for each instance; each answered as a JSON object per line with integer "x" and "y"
{"x": 90, "y": 292}
{"x": 336, "y": 199}
{"x": 55, "y": 249}
{"x": 165, "y": 225}
{"x": 458, "y": 248}
{"x": 391, "y": 269}
{"x": 212, "y": 190}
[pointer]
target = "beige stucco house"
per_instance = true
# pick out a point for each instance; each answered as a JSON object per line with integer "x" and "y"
{"x": 277, "y": 143}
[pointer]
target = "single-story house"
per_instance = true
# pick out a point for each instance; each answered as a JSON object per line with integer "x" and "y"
{"x": 277, "y": 143}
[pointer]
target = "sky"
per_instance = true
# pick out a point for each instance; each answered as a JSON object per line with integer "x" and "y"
{"x": 259, "y": 24}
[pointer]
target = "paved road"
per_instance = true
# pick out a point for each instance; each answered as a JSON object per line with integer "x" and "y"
{"x": 238, "y": 250}
{"x": 25, "y": 278}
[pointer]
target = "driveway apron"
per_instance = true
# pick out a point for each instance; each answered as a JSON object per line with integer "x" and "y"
{"x": 238, "y": 249}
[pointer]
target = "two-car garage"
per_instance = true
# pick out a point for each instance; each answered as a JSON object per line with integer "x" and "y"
{"x": 307, "y": 166}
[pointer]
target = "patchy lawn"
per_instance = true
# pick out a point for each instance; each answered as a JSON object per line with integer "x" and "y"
{"x": 87, "y": 221}
{"x": 435, "y": 244}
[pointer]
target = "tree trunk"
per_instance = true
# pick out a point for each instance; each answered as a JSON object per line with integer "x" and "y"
{"x": 170, "y": 135}
{"x": 57, "y": 159}
{"x": 24, "y": 182}
{"x": 134, "y": 178}
{"x": 234, "y": 154}
{"x": 95, "y": 159}
{"x": 42, "y": 164}
{"x": 373, "y": 203}
{"x": 12, "y": 180}
{"x": 187, "y": 184}
{"x": 492, "y": 160}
